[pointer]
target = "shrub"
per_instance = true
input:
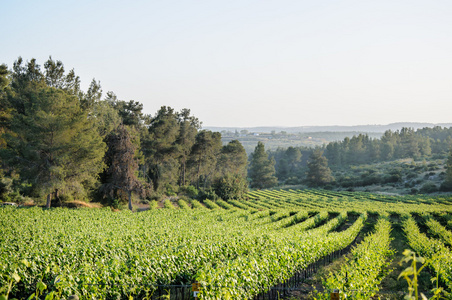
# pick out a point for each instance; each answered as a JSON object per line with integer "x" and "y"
{"x": 189, "y": 190}
{"x": 5, "y": 188}
{"x": 445, "y": 187}
{"x": 393, "y": 178}
{"x": 170, "y": 190}
{"x": 292, "y": 180}
{"x": 428, "y": 187}
{"x": 230, "y": 187}
{"x": 207, "y": 194}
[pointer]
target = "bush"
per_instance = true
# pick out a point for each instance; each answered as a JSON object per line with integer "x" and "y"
{"x": 5, "y": 189}
{"x": 115, "y": 203}
{"x": 347, "y": 181}
{"x": 170, "y": 190}
{"x": 292, "y": 180}
{"x": 369, "y": 179}
{"x": 393, "y": 178}
{"x": 433, "y": 167}
{"x": 189, "y": 190}
{"x": 230, "y": 187}
{"x": 155, "y": 197}
{"x": 445, "y": 187}
{"x": 207, "y": 194}
{"x": 428, "y": 187}
{"x": 411, "y": 175}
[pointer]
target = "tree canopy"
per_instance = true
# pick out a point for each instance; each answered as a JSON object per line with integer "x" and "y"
{"x": 262, "y": 169}
{"x": 318, "y": 171}
{"x": 52, "y": 143}
{"x": 57, "y": 140}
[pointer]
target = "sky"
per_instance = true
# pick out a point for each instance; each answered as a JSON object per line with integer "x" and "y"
{"x": 242, "y": 63}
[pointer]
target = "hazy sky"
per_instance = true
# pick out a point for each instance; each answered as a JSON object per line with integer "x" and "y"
{"x": 250, "y": 63}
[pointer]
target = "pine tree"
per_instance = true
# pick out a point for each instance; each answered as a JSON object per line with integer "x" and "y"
{"x": 262, "y": 169}
{"x": 5, "y": 111}
{"x": 54, "y": 144}
{"x": 188, "y": 128}
{"x": 204, "y": 155}
{"x": 318, "y": 171}
{"x": 447, "y": 184}
{"x": 159, "y": 148}
{"x": 233, "y": 159}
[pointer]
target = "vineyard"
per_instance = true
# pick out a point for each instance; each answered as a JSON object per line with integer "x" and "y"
{"x": 233, "y": 249}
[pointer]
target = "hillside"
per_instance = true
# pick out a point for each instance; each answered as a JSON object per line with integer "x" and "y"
{"x": 332, "y": 128}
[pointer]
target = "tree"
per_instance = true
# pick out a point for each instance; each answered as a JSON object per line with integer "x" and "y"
{"x": 318, "y": 171}
{"x": 168, "y": 144}
{"x": 131, "y": 112}
{"x": 106, "y": 118}
{"x": 159, "y": 147}
{"x": 52, "y": 140}
{"x": 120, "y": 177}
{"x": 53, "y": 143}
{"x": 293, "y": 156}
{"x": 409, "y": 143}
{"x": 5, "y": 110}
{"x": 54, "y": 77}
{"x": 447, "y": 184}
{"x": 188, "y": 128}
{"x": 233, "y": 159}
{"x": 335, "y": 153}
{"x": 204, "y": 154}
{"x": 262, "y": 169}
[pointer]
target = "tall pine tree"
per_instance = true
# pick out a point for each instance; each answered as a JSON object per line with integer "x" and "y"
{"x": 447, "y": 184}
{"x": 262, "y": 169}
{"x": 54, "y": 144}
{"x": 318, "y": 171}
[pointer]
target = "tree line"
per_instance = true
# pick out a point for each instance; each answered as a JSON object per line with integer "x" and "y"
{"x": 295, "y": 165}
{"x": 62, "y": 143}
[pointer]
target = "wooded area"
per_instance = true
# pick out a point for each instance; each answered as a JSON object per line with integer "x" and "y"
{"x": 63, "y": 143}
{"x": 60, "y": 143}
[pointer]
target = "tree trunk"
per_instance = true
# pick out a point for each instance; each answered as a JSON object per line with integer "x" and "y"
{"x": 199, "y": 170}
{"x": 130, "y": 200}
{"x": 183, "y": 171}
{"x": 49, "y": 200}
{"x": 57, "y": 197}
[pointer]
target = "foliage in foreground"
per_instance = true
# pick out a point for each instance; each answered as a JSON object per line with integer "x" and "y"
{"x": 232, "y": 251}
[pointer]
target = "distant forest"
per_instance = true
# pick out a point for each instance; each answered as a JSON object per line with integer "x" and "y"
{"x": 423, "y": 144}
{"x": 361, "y": 149}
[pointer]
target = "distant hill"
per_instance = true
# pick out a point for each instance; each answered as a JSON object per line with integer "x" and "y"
{"x": 356, "y": 128}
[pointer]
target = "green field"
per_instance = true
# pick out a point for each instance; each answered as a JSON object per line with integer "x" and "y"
{"x": 234, "y": 249}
